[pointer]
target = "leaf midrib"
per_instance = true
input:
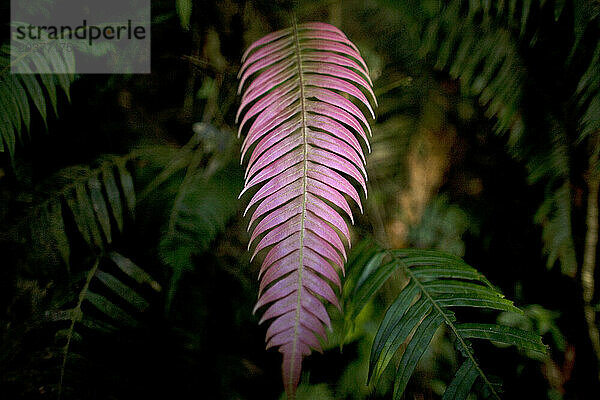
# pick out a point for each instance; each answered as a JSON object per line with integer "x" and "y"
{"x": 304, "y": 201}
{"x": 76, "y": 315}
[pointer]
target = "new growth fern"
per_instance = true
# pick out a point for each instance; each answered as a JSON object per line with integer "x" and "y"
{"x": 303, "y": 132}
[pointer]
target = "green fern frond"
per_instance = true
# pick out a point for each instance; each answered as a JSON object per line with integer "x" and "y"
{"x": 512, "y": 14}
{"x": 191, "y": 229}
{"x": 482, "y": 52}
{"x": 437, "y": 283}
{"x": 584, "y": 14}
{"x": 98, "y": 201}
{"x": 102, "y": 299}
{"x": 484, "y": 59}
{"x": 21, "y": 89}
{"x": 550, "y": 166}
{"x": 89, "y": 199}
{"x": 588, "y": 92}
{"x": 554, "y": 215}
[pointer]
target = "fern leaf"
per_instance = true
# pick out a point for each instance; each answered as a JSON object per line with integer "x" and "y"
{"x": 460, "y": 387}
{"x": 99, "y": 205}
{"x": 79, "y": 217}
{"x": 133, "y": 271}
{"x": 114, "y": 315}
{"x": 588, "y": 91}
{"x": 94, "y": 199}
{"x": 22, "y": 90}
{"x": 57, "y": 231}
{"x": 415, "y": 349}
{"x": 486, "y": 62}
{"x": 127, "y": 184}
{"x": 303, "y": 140}
{"x": 110, "y": 309}
{"x": 122, "y": 290}
{"x": 437, "y": 283}
{"x": 191, "y": 229}
{"x": 113, "y": 195}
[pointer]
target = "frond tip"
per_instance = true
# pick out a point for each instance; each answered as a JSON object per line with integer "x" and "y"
{"x": 302, "y": 139}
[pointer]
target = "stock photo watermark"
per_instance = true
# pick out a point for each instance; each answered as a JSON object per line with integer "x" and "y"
{"x": 80, "y": 36}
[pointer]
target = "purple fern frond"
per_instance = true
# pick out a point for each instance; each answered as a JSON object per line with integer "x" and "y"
{"x": 303, "y": 145}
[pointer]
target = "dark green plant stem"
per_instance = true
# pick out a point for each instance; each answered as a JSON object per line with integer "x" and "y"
{"x": 335, "y": 13}
{"x": 75, "y": 316}
{"x": 179, "y": 161}
{"x": 591, "y": 243}
{"x": 189, "y": 174}
{"x": 190, "y": 92}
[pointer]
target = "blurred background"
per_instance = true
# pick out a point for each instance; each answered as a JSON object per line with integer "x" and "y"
{"x": 123, "y": 263}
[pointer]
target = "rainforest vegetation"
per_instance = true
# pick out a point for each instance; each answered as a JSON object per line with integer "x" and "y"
{"x": 399, "y": 199}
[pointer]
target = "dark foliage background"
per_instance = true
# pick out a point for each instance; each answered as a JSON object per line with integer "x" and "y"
{"x": 498, "y": 173}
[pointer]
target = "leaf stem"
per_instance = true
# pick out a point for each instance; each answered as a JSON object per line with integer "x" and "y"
{"x": 291, "y": 384}
{"x": 589, "y": 256}
{"x": 194, "y": 164}
{"x": 75, "y": 316}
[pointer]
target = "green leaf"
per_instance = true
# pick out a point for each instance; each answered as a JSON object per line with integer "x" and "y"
{"x": 132, "y": 270}
{"x": 356, "y": 271}
{"x": 65, "y": 334}
{"x": 62, "y": 315}
{"x": 113, "y": 195}
{"x": 463, "y": 381}
{"x": 415, "y": 350}
{"x": 365, "y": 290}
{"x": 191, "y": 229}
{"x": 456, "y": 287}
{"x": 98, "y": 325}
{"x": 525, "y": 15}
{"x": 483, "y": 301}
{"x": 461, "y": 56}
{"x": 503, "y": 334}
{"x": 66, "y": 63}
{"x": 440, "y": 282}
{"x": 397, "y": 325}
{"x": 7, "y": 134}
{"x": 79, "y": 217}
{"x": 127, "y": 185}
{"x": 559, "y": 5}
{"x": 99, "y": 206}
{"x": 21, "y": 98}
{"x": 57, "y": 229}
{"x": 9, "y": 106}
{"x": 184, "y": 10}
{"x": 87, "y": 212}
{"x": 122, "y": 290}
{"x": 107, "y": 307}
{"x": 47, "y": 79}
{"x": 35, "y": 93}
